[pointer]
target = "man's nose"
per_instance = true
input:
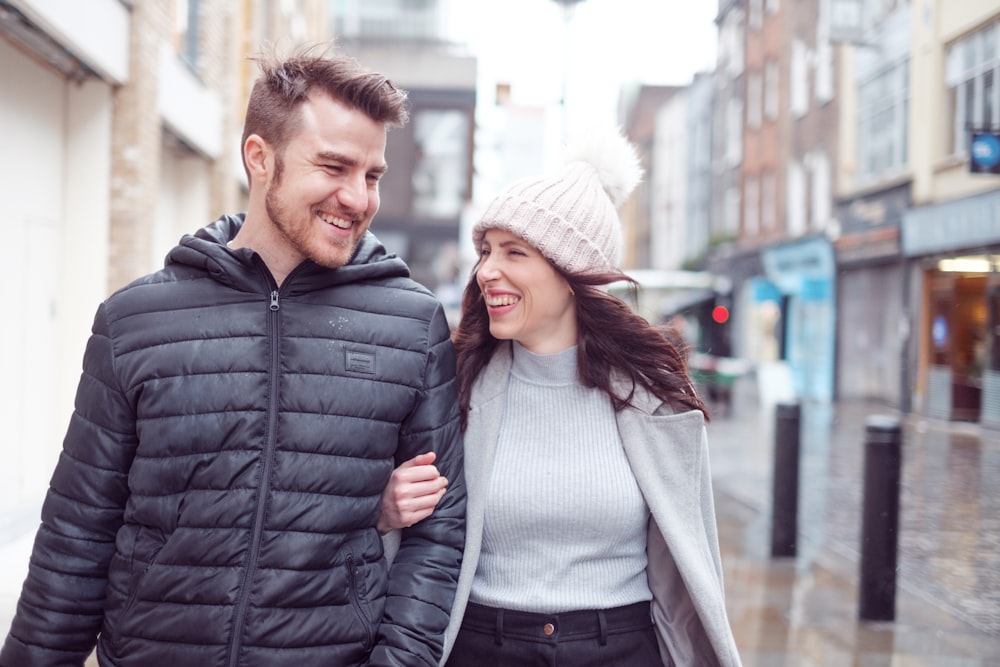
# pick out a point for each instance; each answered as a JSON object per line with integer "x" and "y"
{"x": 353, "y": 195}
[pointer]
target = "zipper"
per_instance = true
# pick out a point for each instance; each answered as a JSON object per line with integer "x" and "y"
{"x": 354, "y": 578}
{"x": 239, "y": 619}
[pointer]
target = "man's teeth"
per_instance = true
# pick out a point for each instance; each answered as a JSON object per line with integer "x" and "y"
{"x": 505, "y": 300}
{"x": 336, "y": 222}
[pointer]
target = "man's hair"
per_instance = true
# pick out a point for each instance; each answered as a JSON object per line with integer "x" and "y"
{"x": 284, "y": 85}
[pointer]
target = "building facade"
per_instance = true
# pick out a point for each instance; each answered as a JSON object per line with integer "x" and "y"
{"x": 872, "y": 192}
{"x": 125, "y": 129}
{"x": 951, "y": 230}
{"x": 429, "y": 185}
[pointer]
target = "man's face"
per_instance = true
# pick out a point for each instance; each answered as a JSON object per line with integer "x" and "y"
{"x": 324, "y": 190}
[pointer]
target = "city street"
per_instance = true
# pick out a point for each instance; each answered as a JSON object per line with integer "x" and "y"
{"x": 802, "y": 611}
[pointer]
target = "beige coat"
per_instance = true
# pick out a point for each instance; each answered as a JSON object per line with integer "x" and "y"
{"x": 668, "y": 454}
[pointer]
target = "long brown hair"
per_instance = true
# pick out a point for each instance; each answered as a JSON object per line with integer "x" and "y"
{"x": 611, "y": 338}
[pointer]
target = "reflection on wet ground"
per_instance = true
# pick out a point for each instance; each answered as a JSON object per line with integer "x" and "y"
{"x": 803, "y": 611}
{"x": 794, "y": 613}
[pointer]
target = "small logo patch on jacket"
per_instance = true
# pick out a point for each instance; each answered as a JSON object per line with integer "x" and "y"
{"x": 361, "y": 362}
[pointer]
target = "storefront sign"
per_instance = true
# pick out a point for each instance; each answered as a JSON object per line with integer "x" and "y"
{"x": 884, "y": 209}
{"x": 964, "y": 223}
{"x": 984, "y": 152}
{"x": 790, "y": 265}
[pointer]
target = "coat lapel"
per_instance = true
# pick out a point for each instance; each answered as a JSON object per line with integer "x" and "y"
{"x": 485, "y": 417}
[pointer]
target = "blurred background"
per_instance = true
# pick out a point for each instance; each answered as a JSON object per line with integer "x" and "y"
{"x": 821, "y": 205}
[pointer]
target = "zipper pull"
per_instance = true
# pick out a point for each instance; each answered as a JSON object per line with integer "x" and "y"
{"x": 274, "y": 300}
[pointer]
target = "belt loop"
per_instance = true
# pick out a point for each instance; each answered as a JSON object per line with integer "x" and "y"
{"x": 498, "y": 638}
{"x": 602, "y": 622}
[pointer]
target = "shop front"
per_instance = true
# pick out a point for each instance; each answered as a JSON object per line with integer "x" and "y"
{"x": 803, "y": 273}
{"x": 954, "y": 249}
{"x": 871, "y": 301}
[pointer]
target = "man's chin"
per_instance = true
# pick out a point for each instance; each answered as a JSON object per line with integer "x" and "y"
{"x": 334, "y": 258}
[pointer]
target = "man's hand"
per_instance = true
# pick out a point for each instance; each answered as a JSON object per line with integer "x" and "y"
{"x": 412, "y": 493}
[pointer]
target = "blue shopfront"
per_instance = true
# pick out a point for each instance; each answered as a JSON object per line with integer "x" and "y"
{"x": 804, "y": 274}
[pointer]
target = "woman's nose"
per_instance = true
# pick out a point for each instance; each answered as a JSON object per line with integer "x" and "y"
{"x": 487, "y": 269}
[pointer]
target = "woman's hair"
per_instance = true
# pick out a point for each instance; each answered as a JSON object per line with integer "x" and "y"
{"x": 612, "y": 339}
{"x": 284, "y": 85}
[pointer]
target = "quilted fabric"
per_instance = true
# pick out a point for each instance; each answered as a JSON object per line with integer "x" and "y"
{"x": 216, "y": 499}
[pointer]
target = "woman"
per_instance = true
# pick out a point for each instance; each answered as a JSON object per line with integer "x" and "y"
{"x": 591, "y": 536}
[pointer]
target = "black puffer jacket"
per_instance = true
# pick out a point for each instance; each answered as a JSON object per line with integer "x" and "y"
{"x": 216, "y": 500}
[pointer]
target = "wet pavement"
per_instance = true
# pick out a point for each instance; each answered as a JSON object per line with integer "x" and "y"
{"x": 803, "y": 611}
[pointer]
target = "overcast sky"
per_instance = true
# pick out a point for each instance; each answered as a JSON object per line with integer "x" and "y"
{"x": 611, "y": 42}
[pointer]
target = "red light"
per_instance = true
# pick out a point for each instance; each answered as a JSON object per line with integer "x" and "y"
{"x": 720, "y": 314}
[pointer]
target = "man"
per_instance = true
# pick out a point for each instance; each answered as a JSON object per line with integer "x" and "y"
{"x": 218, "y": 501}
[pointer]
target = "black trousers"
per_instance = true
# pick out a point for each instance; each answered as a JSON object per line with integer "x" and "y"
{"x": 492, "y": 637}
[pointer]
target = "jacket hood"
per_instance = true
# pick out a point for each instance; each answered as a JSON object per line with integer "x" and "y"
{"x": 243, "y": 268}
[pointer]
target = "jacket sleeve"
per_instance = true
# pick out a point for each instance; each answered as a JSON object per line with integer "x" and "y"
{"x": 424, "y": 574}
{"x": 60, "y": 610}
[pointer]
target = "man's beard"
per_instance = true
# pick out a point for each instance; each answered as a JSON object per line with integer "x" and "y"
{"x": 301, "y": 238}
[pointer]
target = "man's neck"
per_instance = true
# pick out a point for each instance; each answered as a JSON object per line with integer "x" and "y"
{"x": 263, "y": 239}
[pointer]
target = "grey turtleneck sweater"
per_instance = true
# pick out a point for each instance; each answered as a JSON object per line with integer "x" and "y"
{"x": 565, "y": 524}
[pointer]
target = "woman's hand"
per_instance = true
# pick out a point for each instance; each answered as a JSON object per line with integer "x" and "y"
{"x": 413, "y": 491}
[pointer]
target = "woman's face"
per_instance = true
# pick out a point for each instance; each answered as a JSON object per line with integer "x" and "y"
{"x": 526, "y": 298}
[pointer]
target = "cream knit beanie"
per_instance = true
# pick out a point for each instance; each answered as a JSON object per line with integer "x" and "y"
{"x": 571, "y": 216}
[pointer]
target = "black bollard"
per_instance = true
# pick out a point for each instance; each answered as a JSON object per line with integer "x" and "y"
{"x": 785, "y": 483}
{"x": 880, "y": 520}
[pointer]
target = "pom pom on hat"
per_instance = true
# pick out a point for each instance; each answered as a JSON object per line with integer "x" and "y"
{"x": 571, "y": 216}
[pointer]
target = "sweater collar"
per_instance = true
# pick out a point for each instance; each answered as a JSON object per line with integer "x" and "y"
{"x": 553, "y": 370}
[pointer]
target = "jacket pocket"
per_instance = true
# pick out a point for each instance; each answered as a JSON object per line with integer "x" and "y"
{"x": 358, "y": 594}
{"x": 148, "y": 544}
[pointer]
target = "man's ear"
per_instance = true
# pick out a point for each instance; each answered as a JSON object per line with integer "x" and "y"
{"x": 257, "y": 154}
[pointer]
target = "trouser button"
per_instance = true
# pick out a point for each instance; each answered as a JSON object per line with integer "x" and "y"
{"x": 548, "y": 629}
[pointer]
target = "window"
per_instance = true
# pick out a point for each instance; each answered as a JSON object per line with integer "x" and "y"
{"x": 731, "y": 210}
{"x": 771, "y": 90}
{"x": 731, "y": 45}
{"x": 734, "y": 133}
{"x": 875, "y": 11}
{"x": 441, "y": 174}
{"x": 769, "y": 201}
{"x": 973, "y": 70}
{"x": 755, "y": 14}
{"x": 799, "y": 79}
{"x": 883, "y": 118}
{"x": 186, "y": 31}
{"x": 822, "y": 189}
{"x": 751, "y": 211}
{"x": 796, "y": 205}
{"x": 824, "y": 82}
{"x": 755, "y": 93}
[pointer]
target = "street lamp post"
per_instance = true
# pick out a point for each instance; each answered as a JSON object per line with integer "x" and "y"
{"x": 567, "y": 6}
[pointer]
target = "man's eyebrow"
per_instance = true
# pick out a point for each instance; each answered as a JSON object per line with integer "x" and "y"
{"x": 334, "y": 156}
